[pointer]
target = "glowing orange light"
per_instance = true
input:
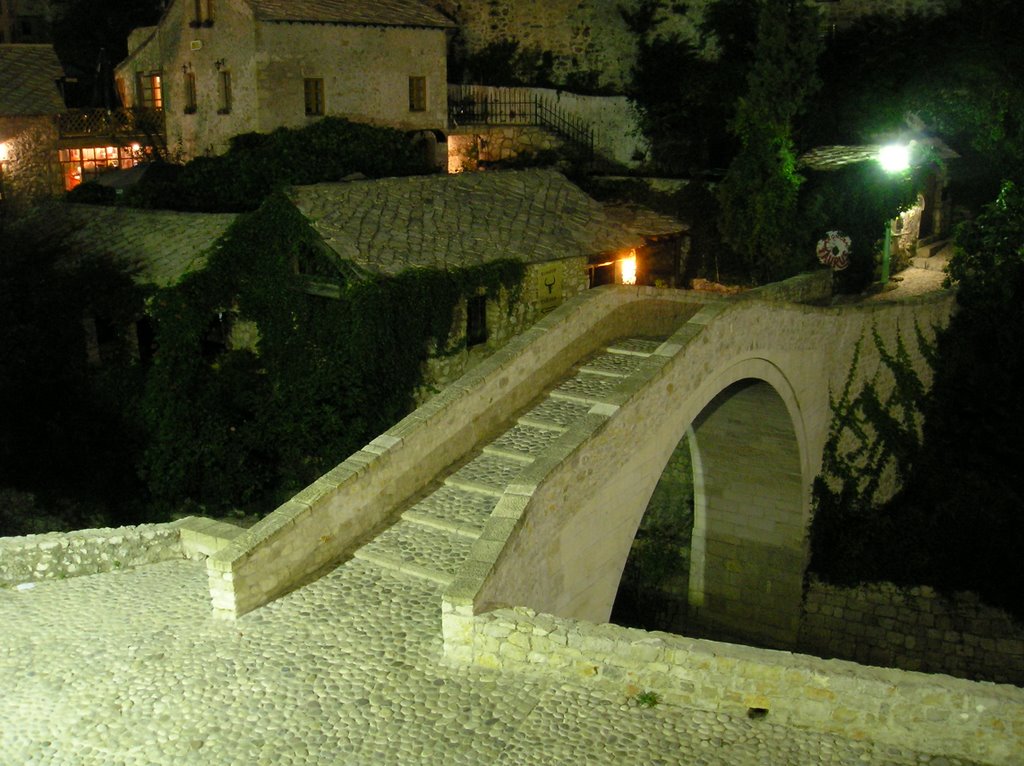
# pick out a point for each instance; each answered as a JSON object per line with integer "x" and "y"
{"x": 3, "y": 152}
{"x": 629, "y": 269}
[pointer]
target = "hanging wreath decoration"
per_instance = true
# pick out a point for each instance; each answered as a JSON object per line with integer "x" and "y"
{"x": 834, "y": 250}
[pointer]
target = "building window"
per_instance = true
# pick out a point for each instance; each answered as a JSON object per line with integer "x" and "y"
{"x": 476, "y": 321}
{"x": 417, "y": 94}
{"x": 151, "y": 92}
{"x": 314, "y": 96}
{"x": 225, "y": 92}
{"x": 202, "y": 13}
{"x": 190, "y": 93}
{"x": 85, "y": 164}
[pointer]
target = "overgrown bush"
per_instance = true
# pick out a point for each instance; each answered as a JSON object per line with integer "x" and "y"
{"x": 257, "y": 163}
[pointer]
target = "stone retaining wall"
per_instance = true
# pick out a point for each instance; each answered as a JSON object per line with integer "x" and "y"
{"x": 933, "y": 714}
{"x": 57, "y": 555}
{"x": 913, "y": 629}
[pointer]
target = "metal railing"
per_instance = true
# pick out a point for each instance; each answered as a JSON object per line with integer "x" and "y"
{"x": 483, "y": 105}
{"x": 134, "y": 122}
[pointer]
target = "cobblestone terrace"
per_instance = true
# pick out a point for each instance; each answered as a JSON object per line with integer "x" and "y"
{"x": 129, "y": 668}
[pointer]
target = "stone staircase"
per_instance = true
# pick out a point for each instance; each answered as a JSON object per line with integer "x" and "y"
{"x": 433, "y": 537}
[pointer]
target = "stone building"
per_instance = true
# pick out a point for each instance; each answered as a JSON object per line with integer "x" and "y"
{"x": 218, "y": 69}
{"x": 30, "y": 99}
{"x": 28, "y": 21}
{"x": 568, "y": 242}
{"x": 566, "y": 239}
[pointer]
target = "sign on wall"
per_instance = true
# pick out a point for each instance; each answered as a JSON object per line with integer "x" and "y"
{"x": 549, "y": 286}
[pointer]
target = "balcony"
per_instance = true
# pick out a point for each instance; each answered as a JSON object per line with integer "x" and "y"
{"x": 137, "y": 124}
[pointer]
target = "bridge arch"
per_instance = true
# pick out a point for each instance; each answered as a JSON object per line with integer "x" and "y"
{"x": 751, "y": 504}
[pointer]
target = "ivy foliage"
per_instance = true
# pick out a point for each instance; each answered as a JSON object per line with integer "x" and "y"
{"x": 247, "y": 429}
{"x": 257, "y": 163}
{"x": 853, "y": 538}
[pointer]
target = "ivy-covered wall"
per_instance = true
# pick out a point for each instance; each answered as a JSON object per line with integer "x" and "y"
{"x": 249, "y": 427}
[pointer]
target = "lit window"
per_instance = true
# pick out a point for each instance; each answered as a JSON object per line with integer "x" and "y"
{"x": 151, "y": 94}
{"x": 190, "y": 93}
{"x": 225, "y": 92}
{"x": 314, "y": 87}
{"x": 417, "y": 94}
{"x": 476, "y": 320}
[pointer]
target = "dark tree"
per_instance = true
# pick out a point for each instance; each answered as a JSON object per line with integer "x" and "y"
{"x": 66, "y": 433}
{"x": 685, "y": 95}
{"x": 759, "y": 194}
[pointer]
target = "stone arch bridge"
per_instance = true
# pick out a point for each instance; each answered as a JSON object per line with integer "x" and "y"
{"x": 523, "y": 483}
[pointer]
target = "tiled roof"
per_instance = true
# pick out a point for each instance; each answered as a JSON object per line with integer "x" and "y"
{"x": 160, "y": 245}
{"x": 393, "y": 13}
{"x": 640, "y": 220}
{"x": 28, "y": 80}
{"x": 393, "y": 224}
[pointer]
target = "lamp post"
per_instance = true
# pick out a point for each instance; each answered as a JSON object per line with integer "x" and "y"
{"x": 894, "y": 158}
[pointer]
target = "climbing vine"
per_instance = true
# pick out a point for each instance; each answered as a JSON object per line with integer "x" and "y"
{"x": 248, "y": 427}
{"x": 870, "y": 435}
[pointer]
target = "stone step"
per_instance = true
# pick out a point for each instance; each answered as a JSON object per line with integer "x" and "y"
{"x": 613, "y": 365}
{"x": 434, "y": 536}
{"x": 635, "y": 346}
{"x": 586, "y": 388}
{"x": 486, "y": 473}
{"x": 555, "y": 414}
{"x": 453, "y": 509}
{"x": 418, "y": 550}
{"x": 521, "y": 442}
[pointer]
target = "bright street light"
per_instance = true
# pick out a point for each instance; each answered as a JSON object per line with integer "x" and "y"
{"x": 894, "y": 158}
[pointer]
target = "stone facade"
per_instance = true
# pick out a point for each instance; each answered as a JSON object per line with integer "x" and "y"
{"x": 913, "y": 629}
{"x": 242, "y": 72}
{"x": 471, "y": 149}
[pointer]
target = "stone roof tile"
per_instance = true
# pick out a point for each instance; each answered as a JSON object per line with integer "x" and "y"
{"x": 161, "y": 246}
{"x": 400, "y": 13}
{"x": 28, "y": 80}
{"x": 393, "y": 224}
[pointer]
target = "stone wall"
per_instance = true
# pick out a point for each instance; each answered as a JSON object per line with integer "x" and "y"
{"x": 567, "y": 278}
{"x": 57, "y": 555}
{"x": 613, "y": 120}
{"x": 932, "y": 714}
{"x": 590, "y": 35}
{"x": 30, "y": 172}
{"x": 913, "y": 629}
{"x": 585, "y": 36}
